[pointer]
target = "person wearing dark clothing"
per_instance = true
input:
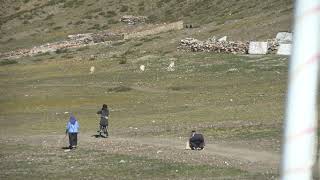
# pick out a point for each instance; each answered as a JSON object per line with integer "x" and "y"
{"x": 72, "y": 130}
{"x": 196, "y": 141}
{"x": 104, "y": 117}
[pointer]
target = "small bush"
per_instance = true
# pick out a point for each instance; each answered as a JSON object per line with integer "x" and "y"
{"x": 49, "y": 17}
{"x": 123, "y": 61}
{"x": 102, "y": 13}
{"x": 60, "y": 51}
{"x": 138, "y": 44}
{"x": 96, "y": 26}
{"x": 67, "y": 56}
{"x": 87, "y": 16}
{"x": 124, "y": 8}
{"x": 113, "y": 21}
{"x": 8, "y": 62}
{"x": 57, "y": 28}
{"x": 111, "y": 13}
{"x": 152, "y": 18}
{"x": 79, "y": 22}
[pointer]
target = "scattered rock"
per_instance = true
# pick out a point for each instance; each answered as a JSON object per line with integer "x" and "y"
{"x": 122, "y": 161}
{"x": 142, "y": 67}
{"x": 171, "y": 66}
{"x": 92, "y": 68}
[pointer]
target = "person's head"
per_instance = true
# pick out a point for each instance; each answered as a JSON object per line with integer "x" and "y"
{"x": 72, "y": 119}
{"x": 193, "y": 132}
{"x": 104, "y": 106}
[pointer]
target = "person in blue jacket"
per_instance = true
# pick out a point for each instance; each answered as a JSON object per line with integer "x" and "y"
{"x": 72, "y": 130}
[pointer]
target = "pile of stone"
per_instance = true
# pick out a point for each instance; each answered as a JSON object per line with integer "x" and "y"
{"x": 213, "y": 45}
{"x": 132, "y": 20}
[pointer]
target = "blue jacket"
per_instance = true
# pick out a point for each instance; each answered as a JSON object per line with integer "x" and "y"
{"x": 72, "y": 125}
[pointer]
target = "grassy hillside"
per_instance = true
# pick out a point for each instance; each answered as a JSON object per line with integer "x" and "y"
{"x": 32, "y": 22}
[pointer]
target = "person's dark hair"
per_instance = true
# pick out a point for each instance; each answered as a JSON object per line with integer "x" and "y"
{"x": 193, "y": 131}
{"x": 104, "y": 106}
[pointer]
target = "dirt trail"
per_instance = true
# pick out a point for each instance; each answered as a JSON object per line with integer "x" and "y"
{"x": 173, "y": 149}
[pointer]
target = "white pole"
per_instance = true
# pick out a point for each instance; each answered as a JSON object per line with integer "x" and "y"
{"x": 300, "y": 137}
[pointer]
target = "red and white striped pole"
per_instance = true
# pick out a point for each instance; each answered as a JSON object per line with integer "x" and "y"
{"x": 300, "y": 138}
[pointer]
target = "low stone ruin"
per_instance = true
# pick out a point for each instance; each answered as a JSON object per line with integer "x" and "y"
{"x": 213, "y": 45}
{"x": 258, "y": 47}
{"x": 280, "y": 45}
{"x": 284, "y": 40}
{"x": 132, "y": 20}
{"x": 73, "y": 41}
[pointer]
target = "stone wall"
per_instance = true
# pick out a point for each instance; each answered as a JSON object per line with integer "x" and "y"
{"x": 213, "y": 45}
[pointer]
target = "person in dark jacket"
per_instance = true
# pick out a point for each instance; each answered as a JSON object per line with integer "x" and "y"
{"x": 104, "y": 117}
{"x": 72, "y": 130}
{"x": 196, "y": 141}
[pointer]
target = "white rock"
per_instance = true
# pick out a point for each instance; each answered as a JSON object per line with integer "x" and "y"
{"x": 159, "y": 151}
{"x": 171, "y": 66}
{"x": 284, "y": 49}
{"x": 258, "y": 47}
{"x": 66, "y": 112}
{"x": 122, "y": 161}
{"x": 224, "y": 38}
{"x": 92, "y": 68}
{"x": 142, "y": 67}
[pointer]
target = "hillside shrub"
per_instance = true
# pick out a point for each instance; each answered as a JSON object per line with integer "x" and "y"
{"x": 8, "y": 62}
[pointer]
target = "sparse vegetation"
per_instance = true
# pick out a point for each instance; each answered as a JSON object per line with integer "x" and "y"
{"x": 242, "y": 109}
{"x": 123, "y": 60}
{"x": 7, "y": 62}
{"x": 60, "y": 51}
{"x": 124, "y": 8}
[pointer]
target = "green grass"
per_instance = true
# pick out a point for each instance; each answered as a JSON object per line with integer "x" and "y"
{"x": 32, "y": 162}
{"x": 230, "y": 98}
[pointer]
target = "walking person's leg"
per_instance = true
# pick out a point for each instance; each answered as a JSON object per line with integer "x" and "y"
{"x": 75, "y": 140}
{"x": 70, "y": 140}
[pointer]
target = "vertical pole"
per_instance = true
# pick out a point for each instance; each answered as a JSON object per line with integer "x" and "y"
{"x": 300, "y": 138}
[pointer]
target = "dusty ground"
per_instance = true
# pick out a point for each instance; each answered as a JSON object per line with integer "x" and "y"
{"x": 218, "y": 155}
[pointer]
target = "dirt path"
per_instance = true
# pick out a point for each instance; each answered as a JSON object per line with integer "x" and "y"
{"x": 219, "y": 155}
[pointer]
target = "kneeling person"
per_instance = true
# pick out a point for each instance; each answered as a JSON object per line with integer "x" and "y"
{"x": 196, "y": 141}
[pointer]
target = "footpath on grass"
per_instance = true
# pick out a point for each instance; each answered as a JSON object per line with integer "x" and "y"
{"x": 173, "y": 150}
